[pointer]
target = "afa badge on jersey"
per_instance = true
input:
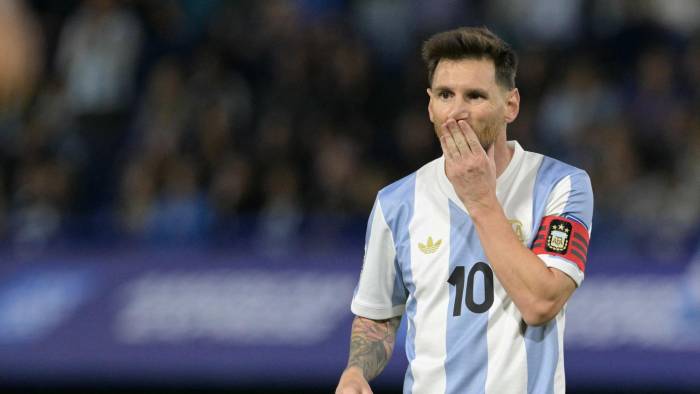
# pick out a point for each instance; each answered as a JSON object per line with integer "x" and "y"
{"x": 558, "y": 236}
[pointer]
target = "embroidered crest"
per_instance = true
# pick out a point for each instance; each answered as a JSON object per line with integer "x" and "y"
{"x": 558, "y": 236}
{"x": 517, "y": 229}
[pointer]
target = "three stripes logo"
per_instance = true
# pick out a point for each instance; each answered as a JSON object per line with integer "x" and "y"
{"x": 430, "y": 246}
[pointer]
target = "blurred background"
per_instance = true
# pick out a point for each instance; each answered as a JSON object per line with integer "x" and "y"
{"x": 185, "y": 184}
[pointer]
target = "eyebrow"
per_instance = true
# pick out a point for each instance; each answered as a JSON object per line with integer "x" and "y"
{"x": 442, "y": 88}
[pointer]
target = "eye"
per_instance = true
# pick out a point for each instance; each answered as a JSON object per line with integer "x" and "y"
{"x": 475, "y": 96}
{"x": 444, "y": 94}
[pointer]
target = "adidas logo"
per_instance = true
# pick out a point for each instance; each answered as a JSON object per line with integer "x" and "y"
{"x": 429, "y": 247}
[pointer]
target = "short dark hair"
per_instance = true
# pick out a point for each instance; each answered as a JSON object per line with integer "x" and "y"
{"x": 472, "y": 43}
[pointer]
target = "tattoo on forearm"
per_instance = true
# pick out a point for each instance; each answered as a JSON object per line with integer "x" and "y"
{"x": 371, "y": 344}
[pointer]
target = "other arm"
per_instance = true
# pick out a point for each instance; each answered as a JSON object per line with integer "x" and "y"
{"x": 371, "y": 345}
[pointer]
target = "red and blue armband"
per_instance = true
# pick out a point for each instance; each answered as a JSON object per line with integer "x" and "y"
{"x": 559, "y": 236}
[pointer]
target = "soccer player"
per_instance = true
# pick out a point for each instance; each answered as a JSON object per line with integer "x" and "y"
{"x": 480, "y": 248}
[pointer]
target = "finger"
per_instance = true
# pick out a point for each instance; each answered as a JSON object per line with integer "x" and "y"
{"x": 471, "y": 137}
{"x": 459, "y": 138}
{"x": 449, "y": 148}
{"x": 443, "y": 145}
{"x": 491, "y": 153}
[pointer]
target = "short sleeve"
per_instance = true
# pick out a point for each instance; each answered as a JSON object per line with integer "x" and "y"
{"x": 380, "y": 293}
{"x": 565, "y": 229}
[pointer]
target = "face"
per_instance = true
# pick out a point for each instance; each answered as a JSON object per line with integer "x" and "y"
{"x": 467, "y": 89}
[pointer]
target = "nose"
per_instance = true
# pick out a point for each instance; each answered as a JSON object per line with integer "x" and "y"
{"x": 459, "y": 109}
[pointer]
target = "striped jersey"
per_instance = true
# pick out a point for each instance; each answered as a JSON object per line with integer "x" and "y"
{"x": 423, "y": 258}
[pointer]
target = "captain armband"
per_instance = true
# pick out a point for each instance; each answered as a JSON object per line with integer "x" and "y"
{"x": 560, "y": 236}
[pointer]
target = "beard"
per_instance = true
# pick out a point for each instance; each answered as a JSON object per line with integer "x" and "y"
{"x": 486, "y": 132}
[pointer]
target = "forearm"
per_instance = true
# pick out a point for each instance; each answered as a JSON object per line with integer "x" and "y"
{"x": 531, "y": 284}
{"x": 371, "y": 344}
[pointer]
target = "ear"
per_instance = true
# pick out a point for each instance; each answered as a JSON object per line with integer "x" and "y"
{"x": 512, "y": 105}
{"x": 430, "y": 109}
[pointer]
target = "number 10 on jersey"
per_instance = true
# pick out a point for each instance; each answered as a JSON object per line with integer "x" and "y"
{"x": 457, "y": 279}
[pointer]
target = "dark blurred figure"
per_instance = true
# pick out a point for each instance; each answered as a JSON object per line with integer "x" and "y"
{"x": 96, "y": 60}
{"x": 181, "y": 211}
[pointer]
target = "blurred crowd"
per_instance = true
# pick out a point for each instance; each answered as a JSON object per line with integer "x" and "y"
{"x": 182, "y": 120}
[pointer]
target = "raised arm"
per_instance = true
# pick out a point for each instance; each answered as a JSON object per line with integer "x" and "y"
{"x": 371, "y": 345}
{"x": 538, "y": 290}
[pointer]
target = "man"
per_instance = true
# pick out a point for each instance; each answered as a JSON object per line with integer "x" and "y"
{"x": 481, "y": 248}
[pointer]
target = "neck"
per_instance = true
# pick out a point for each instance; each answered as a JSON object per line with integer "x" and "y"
{"x": 502, "y": 154}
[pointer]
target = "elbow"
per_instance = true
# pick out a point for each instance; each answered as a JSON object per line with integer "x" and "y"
{"x": 540, "y": 312}
{"x": 537, "y": 319}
